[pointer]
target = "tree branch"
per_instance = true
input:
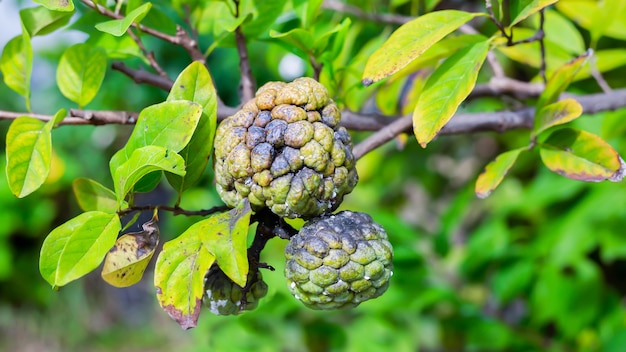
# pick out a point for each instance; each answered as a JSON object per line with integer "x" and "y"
{"x": 358, "y": 13}
{"x": 140, "y": 76}
{"x": 175, "y": 210}
{"x": 248, "y": 86}
{"x": 181, "y": 38}
{"x": 480, "y": 122}
{"x": 386, "y": 127}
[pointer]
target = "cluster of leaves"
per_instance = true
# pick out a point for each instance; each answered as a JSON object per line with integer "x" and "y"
{"x": 428, "y": 71}
{"x": 575, "y": 154}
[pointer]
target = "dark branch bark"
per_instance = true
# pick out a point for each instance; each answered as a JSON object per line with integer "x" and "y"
{"x": 175, "y": 210}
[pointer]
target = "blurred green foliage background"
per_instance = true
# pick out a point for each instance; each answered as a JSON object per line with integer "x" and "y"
{"x": 539, "y": 265}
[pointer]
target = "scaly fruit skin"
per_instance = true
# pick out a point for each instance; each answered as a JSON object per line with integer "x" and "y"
{"x": 284, "y": 150}
{"x": 224, "y": 297}
{"x": 338, "y": 261}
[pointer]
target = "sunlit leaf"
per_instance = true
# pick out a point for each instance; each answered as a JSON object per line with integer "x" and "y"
{"x": 195, "y": 84}
{"x": 521, "y": 9}
{"x": 445, "y": 89}
{"x": 91, "y": 195}
{"x": 557, "y": 113}
{"x": 41, "y": 21}
{"x": 437, "y": 52}
{"x": 581, "y": 155}
{"x": 142, "y": 162}
{"x": 80, "y": 72}
{"x": 119, "y": 27}
{"x": 224, "y": 235}
{"x": 410, "y": 41}
{"x": 77, "y": 247}
{"x": 126, "y": 262}
{"x": 28, "y": 150}
{"x": 179, "y": 276}
{"x": 117, "y": 48}
{"x": 16, "y": 64}
{"x": 592, "y": 15}
{"x": 495, "y": 171}
{"x": 57, "y": 5}
{"x": 558, "y": 82}
{"x": 169, "y": 125}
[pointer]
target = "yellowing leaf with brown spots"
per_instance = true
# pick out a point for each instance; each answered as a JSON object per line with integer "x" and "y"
{"x": 126, "y": 262}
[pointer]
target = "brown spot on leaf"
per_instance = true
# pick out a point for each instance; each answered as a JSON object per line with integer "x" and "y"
{"x": 186, "y": 321}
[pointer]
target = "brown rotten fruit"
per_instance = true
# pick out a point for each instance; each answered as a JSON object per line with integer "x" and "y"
{"x": 285, "y": 151}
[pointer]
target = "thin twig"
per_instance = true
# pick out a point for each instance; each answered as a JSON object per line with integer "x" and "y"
{"x": 357, "y": 12}
{"x": 148, "y": 54}
{"x": 542, "y": 46}
{"x": 498, "y": 24}
{"x": 597, "y": 75}
{"x": 248, "y": 86}
{"x": 493, "y": 121}
{"x": 181, "y": 38}
{"x": 174, "y": 210}
{"x": 141, "y": 76}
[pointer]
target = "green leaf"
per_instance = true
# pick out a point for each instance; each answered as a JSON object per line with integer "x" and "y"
{"x": 445, "y": 89}
{"x": 179, "y": 276}
{"x": 117, "y": 48}
{"x": 41, "y": 21}
{"x": 28, "y": 150}
{"x": 437, "y": 52}
{"x": 300, "y": 40}
{"x": 55, "y": 120}
{"x": 142, "y": 162}
{"x": 91, "y": 195}
{"x": 195, "y": 84}
{"x": 307, "y": 11}
{"x": 264, "y": 14}
{"x": 522, "y": 9}
{"x": 582, "y": 156}
{"x": 119, "y": 27}
{"x": 80, "y": 72}
{"x": 224, "y": 235}
{"x": 77, "y": 247}
{"x": 410, "y": 40}
{"x": 169, "y": 125}
{"x": 126, "y": 262}
{"x": 57, "y": 5}
{"x": 592, "y": 15}
{"x": 16, "y": 64}
{"x": 554, "y": 114}
{"x": 559, "y": 81}
{"x": 495, "y": 171}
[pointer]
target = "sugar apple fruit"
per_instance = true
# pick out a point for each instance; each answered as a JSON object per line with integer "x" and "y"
{"x": 284, "y": 150}
{"x": 338, "y": 261}
{"x": 224, "y": 297}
